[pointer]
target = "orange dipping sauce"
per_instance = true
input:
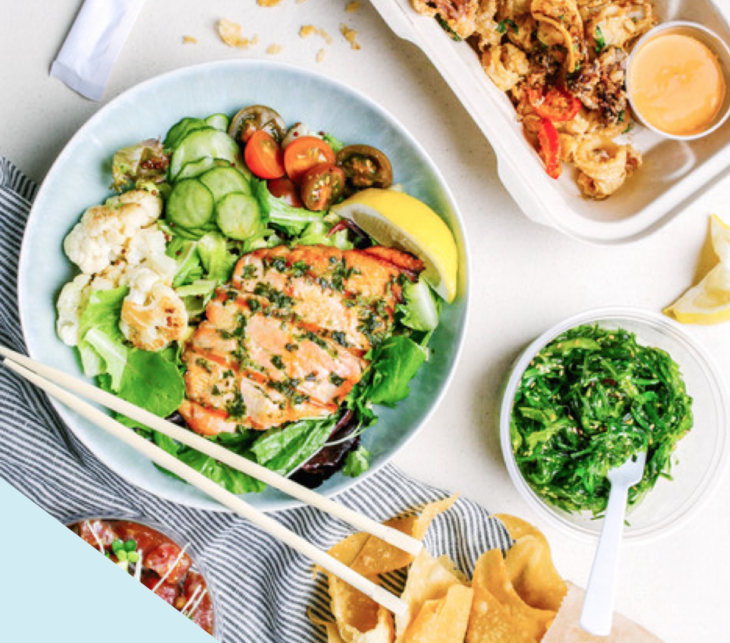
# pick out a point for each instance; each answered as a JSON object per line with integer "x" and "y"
{"x": 676, "y": 84}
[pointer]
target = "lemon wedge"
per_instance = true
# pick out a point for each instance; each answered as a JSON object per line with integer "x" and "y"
{"x": 709, "y": 301}
{"x": 397, "y": 220}
{"x": 720, "y": 236}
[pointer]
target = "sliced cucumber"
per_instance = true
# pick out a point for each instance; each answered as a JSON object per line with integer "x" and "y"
{"x": 218, "y": 121}
{"x": 196, "y": 168}
{"x": 224, "y": 180}
{"x": 181, "y": 129}
{"x": 238, "y": 215}
{"x": 204, "y": 143}
{"x": 190, "y": 204}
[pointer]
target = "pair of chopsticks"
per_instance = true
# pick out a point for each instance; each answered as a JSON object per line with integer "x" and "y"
{"x": 56, "y": 383}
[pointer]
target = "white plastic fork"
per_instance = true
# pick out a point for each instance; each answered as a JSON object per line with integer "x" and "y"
{"x": 596, "y": 616}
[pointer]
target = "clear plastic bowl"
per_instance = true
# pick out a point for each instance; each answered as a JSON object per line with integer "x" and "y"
{"x": 699, "y": 456}
{"x": 174, "y": 537}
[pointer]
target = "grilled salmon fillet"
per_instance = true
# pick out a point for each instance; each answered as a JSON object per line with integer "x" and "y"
{"x": 286, "y": 338}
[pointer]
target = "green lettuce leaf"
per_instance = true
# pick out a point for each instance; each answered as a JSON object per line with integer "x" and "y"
{"x": 230, "y": 479}
{"x": 283, "y": 450}
{"x": 357, "y": 462}
{"x": 102, "y": 314}
{"x": 395, "y": 362}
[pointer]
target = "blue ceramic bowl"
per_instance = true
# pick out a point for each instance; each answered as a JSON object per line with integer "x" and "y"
{"x": 81, "y": 176}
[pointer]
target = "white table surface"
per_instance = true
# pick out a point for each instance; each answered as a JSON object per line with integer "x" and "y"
{"x": 525, "y": 278}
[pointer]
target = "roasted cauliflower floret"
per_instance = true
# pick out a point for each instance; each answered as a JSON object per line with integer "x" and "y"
{"x": 153, "y": 315}
{"x": 71, "y": 302}
{"x": 106, "y": 231}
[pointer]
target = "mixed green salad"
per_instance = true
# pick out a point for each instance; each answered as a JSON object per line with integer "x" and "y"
{"x": 217, "y": 189}
{"x": 587, "y": 402}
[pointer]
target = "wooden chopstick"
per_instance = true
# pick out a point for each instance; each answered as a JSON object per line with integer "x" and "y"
{"x": 363, "y": 523}
{"x": 379, "y": 594}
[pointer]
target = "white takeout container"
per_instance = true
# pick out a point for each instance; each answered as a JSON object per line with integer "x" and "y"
{"x": 673, "y": 171}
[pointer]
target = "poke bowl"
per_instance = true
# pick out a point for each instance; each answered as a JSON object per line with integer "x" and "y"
{"x": 80, "y": 178}
{"x": 154, "y": 557}
{"x": 691, "y": 460}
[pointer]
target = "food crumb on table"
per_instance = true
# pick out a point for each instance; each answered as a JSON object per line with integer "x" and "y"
{"x": 350, "y": 35}
{"x": 189, "y": 40}
{"x": 267, "y": 3}
{"x": 274, "y": 49}
{"x": 230, "y": 33}
{"x": 354, "y": 5}
{"x": 310, "y": 30}
{"x": 320, "y": 56}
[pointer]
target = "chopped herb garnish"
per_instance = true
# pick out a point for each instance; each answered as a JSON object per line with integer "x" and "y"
{"x": 249, "y": 272}
{"x": 507, "y": 22}
{"x": 340, "y": 338}
{"x": 600, "y": 41}
{"x": 336, "y": 379}
{"x": 278, "y": 362}
{"x": 278, "y": 299}
{"x": 299, "y": 269}
{"x": 236, "y": 408}
{"x": 445, "y": 26}
{"x": 203, "y": 363}
{"x": 278, "y": 264}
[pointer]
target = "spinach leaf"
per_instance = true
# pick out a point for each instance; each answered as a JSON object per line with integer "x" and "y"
{"x": 152, "y": 381}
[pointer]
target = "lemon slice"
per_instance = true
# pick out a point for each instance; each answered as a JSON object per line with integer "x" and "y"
{"x": 397, "y": 220}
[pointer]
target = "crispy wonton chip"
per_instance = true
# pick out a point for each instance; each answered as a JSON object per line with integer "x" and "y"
{"x": 429, "y": 579}
{"x": 442, "y": 620}
{"x": 489, "y": 620}
{"x": 531, "y": 571}
{"x": 382, "y": 633}
{"x": 564, "y": 16}
{"x": 378, "y": 557}
{"x": 530, "y": 566}
{"x": 491, "y": 574}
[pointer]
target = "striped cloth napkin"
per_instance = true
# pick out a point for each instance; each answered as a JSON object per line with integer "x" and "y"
{"x": 262, "y": 589}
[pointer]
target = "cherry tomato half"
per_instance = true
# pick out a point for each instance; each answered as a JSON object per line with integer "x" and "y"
{"x": 365, "y": 167}
{"x": 557, "y": 104}
{"x": 285, "y": 189}
{"x": 251, "y": 119}
{"x": 322, "y": 186}
{"x": 264, "y": 157}
{"x": 303, "y": 154}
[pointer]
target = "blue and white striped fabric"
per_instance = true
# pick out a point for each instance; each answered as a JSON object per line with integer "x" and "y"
{"x": 261, "y": 588}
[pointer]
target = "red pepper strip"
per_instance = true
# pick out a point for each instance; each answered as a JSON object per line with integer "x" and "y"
{"x": 559, "y": 105}
{"x": 547, "y": 136}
